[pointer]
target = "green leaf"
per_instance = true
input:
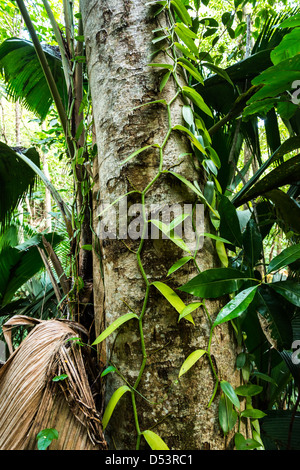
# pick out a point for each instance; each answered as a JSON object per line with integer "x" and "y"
{"x": 164, "y": 80}
{"x": 25, "y": 77}
{"x": 230, "y": 393}
{"x": 248, "y": 390}
{"x": 185, "y": 63}
{"x": 189, "y": 309}
{"x": 191, "y": 186}
{"x": 166, "y": 230}
{"x": 114, "y": 325}
{"x": 236, "y": 306}
{"x": 290, "y": 290}
{"x": 253, "y": 413}
{"x": 191, "y": 360}
{"x": 57, "y": 378}
{"x": 112, "y": 404}
{"x": 227, "y": 414}
{"x": 178, "y": 264}
{"x": 229, "y": 222}
{"x": 181, "y": 11}
{"x": 221, "y": 72}
{"x": 252, "y": 243}
{"x": 12, "y": 169}
{"x": 194, "y": 96}
{"x": 245, "y": 444}
{"x": 179, "y": 127}
{"x": 108, "y": 370}
{"x": 286, "y": 257}
{"x": 214, "y": 282}
{"x": 45, "y": 437}
{"x": 187, "y": 114}
{"x": 154, "y": 441}
{"x": 164, "y": 66}
{"x": 289, "y": 47}
{"x": 221, "y": 251}
{"x": 291, "y": 22}
{"x": 137, "y": 152}
{"x": 172, "y": 298}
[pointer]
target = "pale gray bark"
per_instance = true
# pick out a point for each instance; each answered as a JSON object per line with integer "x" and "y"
{"x": 118, "y": 42}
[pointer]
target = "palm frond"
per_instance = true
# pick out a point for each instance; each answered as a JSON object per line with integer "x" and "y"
{"x": 31, "y": 401}
{"x": 13, "y": 169}
{"x": 25, "y": 78}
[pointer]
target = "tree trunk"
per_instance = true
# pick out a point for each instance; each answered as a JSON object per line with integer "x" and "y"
{"x": 118, "y": 37}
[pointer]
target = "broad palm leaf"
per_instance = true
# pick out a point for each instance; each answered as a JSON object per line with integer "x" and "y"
{"x": 25, "y": 78}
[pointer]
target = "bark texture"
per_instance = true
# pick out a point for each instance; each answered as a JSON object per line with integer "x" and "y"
{"x": 118, "y": 38}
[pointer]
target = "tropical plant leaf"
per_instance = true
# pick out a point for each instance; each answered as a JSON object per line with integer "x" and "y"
{"x": 172, "y": 298}
{"x": 214, "y": 283}
{"x": 227, "y": 414}
{"x": 252, "y": 243}
{"x": 229, "y": 222}
{"x": 24, "y": 76}
{"x": 286, "y": 257}
{"x": 112, "y": 404}
{"x": 154, "y": 440}
{"x": 230, "y": 393}
{"x": 191, "y": 360}
{"x": 12, "y": 169}
{"x": 114, "y": 325}
{"x": 237, "y": 306}
{"x": 21, "y": 263}
{"x": 290, "y": 290}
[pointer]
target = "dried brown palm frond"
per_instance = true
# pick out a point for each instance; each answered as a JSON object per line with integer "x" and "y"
{"x": 31, "y": 401}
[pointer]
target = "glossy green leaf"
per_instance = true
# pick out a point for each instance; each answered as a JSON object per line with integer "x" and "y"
{"x": 112, "y": 404}
{"x": 248, "y": 390}
{"x": 227, "y": 414}
{"x": 189, "y": 309}
{"x": 286, "y": 257}
{"x": 137, "y": 152}
{"x": 154, "y": 441}
{"x": 181, "y": 11}
{"x": 172, "y": 298}
{"x": 178, "y": 264}
{"x": 58, "y": 378}
{"x": 191, "y": 360}
{"x": 253, "y": 413}
{"x": 221, "y": 251}
{"x": 252, "y": 243}
{"x": 166, "y": 230}
{"x": 291, "y": 22}
{"x": 237, "y": 306}
{"x": 194, "y": 96}
{"x": 218, "y": 71}
{"x": 45, "y": 437}
{"x": 164, "y": 80}
{"x": 214, "y": 283}
{"x": 108, "y": 370}
{"x": 290, "y": 290}
{"x": 245, "y": 444}
{"x": 229, "y": 222}
{"x": 289, "y": 47}
{"x": 230, "y": 393}
{"x": 179, "y": 127}
{"x": 163, "y": 66}
{"x": 185, "y": 63}
{"x": 187, "y": 114}
{"x": 114, "y": 325}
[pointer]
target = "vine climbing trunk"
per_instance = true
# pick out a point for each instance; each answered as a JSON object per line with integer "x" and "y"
{"x": 148, "y": 350}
